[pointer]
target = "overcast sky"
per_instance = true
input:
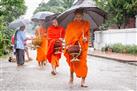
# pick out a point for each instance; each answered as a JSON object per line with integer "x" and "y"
{"x": 31, "y": 6}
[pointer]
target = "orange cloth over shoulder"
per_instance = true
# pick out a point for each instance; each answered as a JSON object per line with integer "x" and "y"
{"x": 42, "y": 50}
{"x": 74, "y": 32}
{"x": 54, "y": 33}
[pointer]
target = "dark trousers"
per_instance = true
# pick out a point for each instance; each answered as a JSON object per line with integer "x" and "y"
{"x": 20, "y": 56}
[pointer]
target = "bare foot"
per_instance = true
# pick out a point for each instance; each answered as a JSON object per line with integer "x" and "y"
{"x": 44, "y": 63}
{"x": 18, "y": 65}
{"x": 30, "y": 59}
{"x": 71, "y": 82}
{"x": 84, "y": 86}
{"x": 83, "y": 83}
{"x": 53, "y": 73}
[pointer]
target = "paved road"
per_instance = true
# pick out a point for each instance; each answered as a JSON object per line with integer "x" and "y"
{"x": 103, "y": 75}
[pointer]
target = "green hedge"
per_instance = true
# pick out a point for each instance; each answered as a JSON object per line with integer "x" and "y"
{"x": 120, "y": 48}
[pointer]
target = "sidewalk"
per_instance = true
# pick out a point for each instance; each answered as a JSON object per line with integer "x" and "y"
{"x": 114, "y": 56}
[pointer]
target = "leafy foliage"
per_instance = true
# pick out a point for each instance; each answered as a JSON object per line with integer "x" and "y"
{"x": 56, "y": 6}
{"x": 120, "y": 48}
{"x": 119, "y": 10}
{"x": 9, "y": 11}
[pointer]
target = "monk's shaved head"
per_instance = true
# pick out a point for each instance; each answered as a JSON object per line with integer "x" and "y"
{"x": 41, "y": 22}
{"x": 79, "y": 11}
{"x": 78, "y": 14}
{"x": 55, "y": 22}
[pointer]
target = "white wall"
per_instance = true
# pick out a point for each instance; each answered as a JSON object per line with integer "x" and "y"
{"x": 113, "y": 36}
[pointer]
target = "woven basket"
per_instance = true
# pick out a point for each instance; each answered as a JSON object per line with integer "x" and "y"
{"x": 37, "y": 41}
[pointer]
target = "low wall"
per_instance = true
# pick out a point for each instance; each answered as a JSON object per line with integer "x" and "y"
{"x": 113, "y": 36}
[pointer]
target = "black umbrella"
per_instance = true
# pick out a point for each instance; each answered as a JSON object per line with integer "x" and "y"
{"x": 92, "y": 13}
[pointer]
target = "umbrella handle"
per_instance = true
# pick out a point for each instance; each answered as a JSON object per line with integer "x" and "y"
{"x": 83, "y": 34}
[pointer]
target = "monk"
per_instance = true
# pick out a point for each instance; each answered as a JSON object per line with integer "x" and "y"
{"x": 78, "y": 30}
{"x": 42, "y": 49}
{"x": 55, "y": 33}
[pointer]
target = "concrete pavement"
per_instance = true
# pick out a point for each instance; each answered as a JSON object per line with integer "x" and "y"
{"x": 103, "y": 75}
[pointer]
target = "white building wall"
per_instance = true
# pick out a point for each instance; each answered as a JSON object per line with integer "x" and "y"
{"x": 113, "y": 36}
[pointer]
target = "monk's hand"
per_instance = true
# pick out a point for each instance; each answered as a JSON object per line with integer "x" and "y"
{"x": 68, "y": 46}
{"x": 85, "y": 39}
{"x": 31, "y": 38}
{"x": 44, "y": 34}
{"x": 61, "y": 39}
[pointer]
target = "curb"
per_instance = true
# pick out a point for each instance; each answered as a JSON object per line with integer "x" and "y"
{"x": 119, "y": 60}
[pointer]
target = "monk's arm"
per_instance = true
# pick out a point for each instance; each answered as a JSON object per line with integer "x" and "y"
{"x": 67, "y": 35}
{"x": 63, "y": 33}
{"x": 36, "y": 33}
{"x": 87, "y": 31}
{"x": 48, "y": 32}
{"x": 44, "y": 33}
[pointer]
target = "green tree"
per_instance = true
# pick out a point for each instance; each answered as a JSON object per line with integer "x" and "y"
{"x": 119, "y": 11}
{"x": 12, "y": 9}
{"x": 9, "y": 11}
{"x": 56, "y": 6}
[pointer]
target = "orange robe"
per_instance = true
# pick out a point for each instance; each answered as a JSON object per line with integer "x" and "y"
{"x": 54, "y": 33}
{"x": 42, "y": 50}
{"x": 74, "y": 32}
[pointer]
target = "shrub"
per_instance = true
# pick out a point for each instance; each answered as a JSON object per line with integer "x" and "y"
{"x": 1, "y": 52}
{"x": 132, "y": 49}
{"x": 105, "y": 48}
{"x": 120, "y": 48}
